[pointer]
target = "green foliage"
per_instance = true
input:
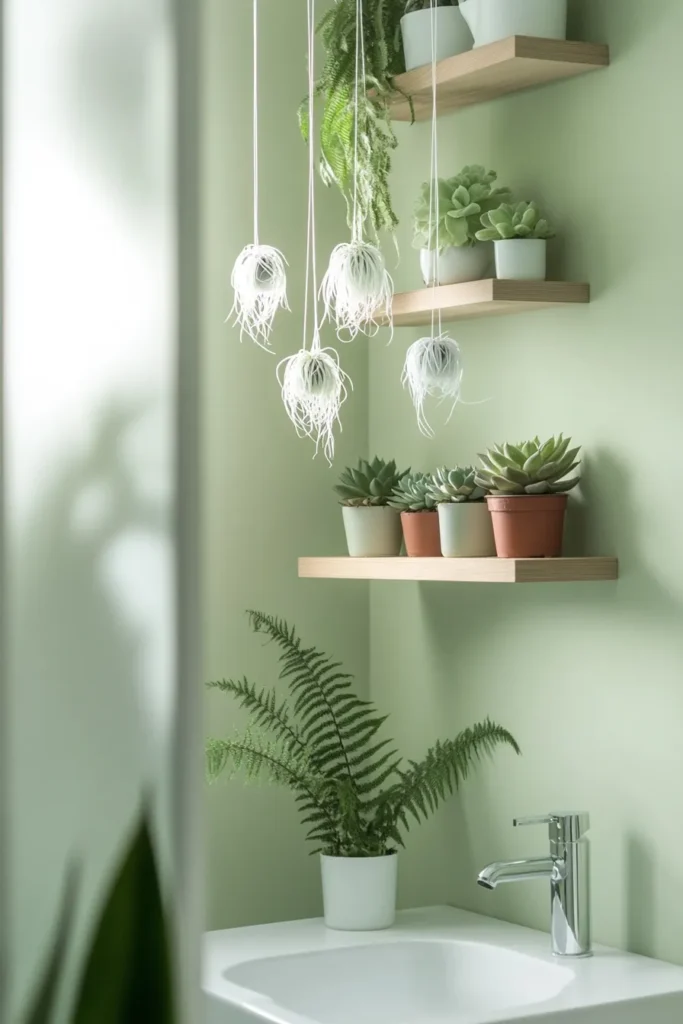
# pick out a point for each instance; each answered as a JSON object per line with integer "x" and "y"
{"x": 127, "y": 973}
{"x": 531, "y": 467}
{"x": 353, "y": 792}
{"x": 414, "y": 494}
{"x": 337, "y": 86}
{"x": 522, "y": 220}
{"x": 456, "y": 486}
{"x": 371, "y": 483}
{"x": 461, "y": 202}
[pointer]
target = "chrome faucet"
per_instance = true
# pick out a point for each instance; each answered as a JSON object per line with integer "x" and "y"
{"x": 568, "y": 869}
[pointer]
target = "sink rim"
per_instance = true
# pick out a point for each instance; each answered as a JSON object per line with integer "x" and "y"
{"x": 611, "y": 976}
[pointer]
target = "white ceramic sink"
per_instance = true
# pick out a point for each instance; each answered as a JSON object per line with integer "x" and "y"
{"x": 437, "y": 966}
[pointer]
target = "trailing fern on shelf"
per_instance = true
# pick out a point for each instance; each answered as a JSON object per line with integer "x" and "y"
{"x": 355, "y": 793}
{"x": 383, "y": 58}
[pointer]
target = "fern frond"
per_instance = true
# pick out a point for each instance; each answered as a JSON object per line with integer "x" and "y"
{"x": 265, "y": 711}
{"x": 258, "y": 758}
{"x": 444, "y": 767}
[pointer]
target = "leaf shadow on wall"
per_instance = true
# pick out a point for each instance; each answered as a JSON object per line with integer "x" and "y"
{"x": 82, "y": 650}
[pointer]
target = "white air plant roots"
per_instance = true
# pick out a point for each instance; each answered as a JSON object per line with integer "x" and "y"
{"x": 314, "y": 387}
{"x": 433, "y": 369}
{"x": 259, "y": 280}
{"x": 357, "y": 289}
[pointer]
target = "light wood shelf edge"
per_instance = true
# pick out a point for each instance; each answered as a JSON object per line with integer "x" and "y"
{"x": 498, "y": 69}
{"x": 463, "y": 570}
{"x": 487, "y": 297}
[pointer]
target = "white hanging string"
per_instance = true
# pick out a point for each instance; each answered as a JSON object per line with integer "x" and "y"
{"x": 357, "y": 289}
{"x": 433, "y": 365}
{"x": 314, "y": 386}
{"x": 259, "y": 277}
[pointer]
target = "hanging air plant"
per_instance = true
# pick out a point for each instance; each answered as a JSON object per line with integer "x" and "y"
{"x": 313, "y": 390}
{"x": 314, "y": 386}
{"x": 433, "y": 368}
{"x": 357, "y": 288}
{"x": 259, "y": 278}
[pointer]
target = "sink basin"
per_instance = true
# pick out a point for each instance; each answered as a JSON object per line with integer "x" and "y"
{"x": 436, "y": 966}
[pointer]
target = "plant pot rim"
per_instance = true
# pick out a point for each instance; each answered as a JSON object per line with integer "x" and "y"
{"x": 374, "y": 856}
{"x": 525, "y": 497}
{"x": 418, "y": 512}
{"x": 479, "y": 501}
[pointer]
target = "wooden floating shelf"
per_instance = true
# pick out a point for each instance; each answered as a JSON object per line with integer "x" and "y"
{"x": 463, "y": 570}
{"x": 490, "y": 297}
{"x": 487, "y": 72}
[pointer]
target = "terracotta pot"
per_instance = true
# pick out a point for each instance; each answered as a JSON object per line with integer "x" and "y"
{"x": 528, "y": 525}
{"x": 421, "y": 534}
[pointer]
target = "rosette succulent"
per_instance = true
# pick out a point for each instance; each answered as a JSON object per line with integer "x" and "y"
{"x": 414, "y": 494}
{"x": 456, "y": 486}
{"x": 531, "y": 467}
{"x": 523, "y": 220}
{"x": 370, "y": 483}
{"x": 462, "y": 201}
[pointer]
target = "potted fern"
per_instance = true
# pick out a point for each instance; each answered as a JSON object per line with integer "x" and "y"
{"x": 519, "y": 234}
{"x": 447, "y": 218}
{"x": 452, "y": 34}
{"x": 419, "y": 519}
{"x": 372, "y": 526}
{"x": 528, "y": 485}
{"x": 464, "y": 520}
{"x": 354, "y": 792}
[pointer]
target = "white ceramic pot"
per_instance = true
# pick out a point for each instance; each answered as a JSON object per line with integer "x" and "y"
{"x": 372, "y": 531}
{"x": 466, "y": 530}
{"x": 359, "y": 893}
{"x": 521, "y": 259}
{"x": 452, "y": 35}
{"x": 497, "y": 19}
{"x": 456, "y": 263}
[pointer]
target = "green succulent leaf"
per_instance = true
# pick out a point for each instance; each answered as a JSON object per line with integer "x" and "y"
{"x": 531, "y": 467}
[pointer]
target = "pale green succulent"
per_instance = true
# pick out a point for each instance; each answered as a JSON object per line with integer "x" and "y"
{"x": 461, "y": 202}
{"x": 371, "y": 483}
{"x": 455, "y": 486}
{"x": 522, "y": 220}
{"x": 531, "y": 467}
{"x": 413, "y": 494}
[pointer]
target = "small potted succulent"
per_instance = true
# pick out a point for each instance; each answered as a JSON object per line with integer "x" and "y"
{"x": 446, "y": 225}
{"x": 464, "y": 519}
{"x": 452, "y": 34}
{"x": 490, "y": 20}
{"x": 373, "y": 527}
{"x": 419, "y": 518}
{"x": 528, "y": 486}
{"x": 519, "y": 234}
{"x": 355, "y": 793}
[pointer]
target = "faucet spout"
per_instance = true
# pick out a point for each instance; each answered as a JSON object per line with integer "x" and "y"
{"x": 519, "y": 871}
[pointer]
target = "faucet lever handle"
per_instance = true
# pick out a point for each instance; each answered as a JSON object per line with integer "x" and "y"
{"x": 564, "y": 828}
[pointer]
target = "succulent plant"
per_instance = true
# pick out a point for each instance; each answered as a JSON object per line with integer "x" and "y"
{"x": 414, "y": 494}
{"x": 371, "y": 483}
{"x": 461, "y": 201}
{"x": 456, "y": 486}
{"x": 531, "y": 467}
{"x": 522, "y": 220}
{"x": 424, "y": 5}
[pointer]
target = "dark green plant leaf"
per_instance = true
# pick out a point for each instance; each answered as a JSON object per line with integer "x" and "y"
{"x": 127, "y": 976}
{"x": 43, "y": 1007}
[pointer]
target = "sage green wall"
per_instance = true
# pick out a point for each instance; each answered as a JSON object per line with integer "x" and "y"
{"x": 587, "y": 677}
{"x": 266, "y": 500}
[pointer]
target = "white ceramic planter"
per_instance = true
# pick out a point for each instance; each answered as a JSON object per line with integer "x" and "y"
{"x": 497, "y": 19}
{"x": 466, "y": 530}
{"x": 359, "y": 893}
{"x": 456, "y": 264}
{"x": 452, "y": 35}
{"x": 521, "y": 259}
{"x": 372, "y": 531}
